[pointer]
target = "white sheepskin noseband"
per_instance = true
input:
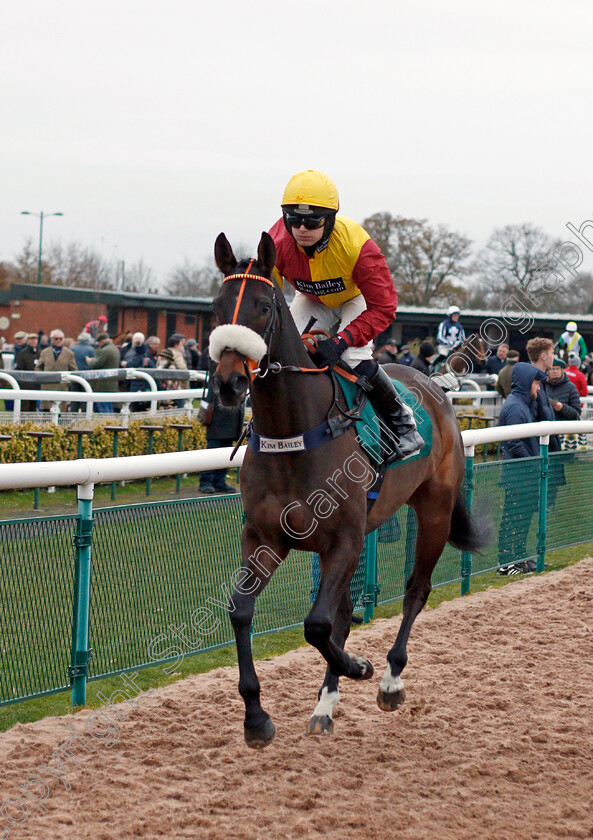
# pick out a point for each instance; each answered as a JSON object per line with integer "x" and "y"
{"x": 239, "y": 338}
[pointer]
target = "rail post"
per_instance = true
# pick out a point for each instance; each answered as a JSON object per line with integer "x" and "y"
{"x": 181, "y": 428}
{"x": 151, "y": 430}
{"x": 371, "y": 589}
{"x": 38, "y": 436}
{"x": 544, "y": 446}
{"x": 80, "y": 433}
{"x": 115, "y": 431}
{"x": 81, "y": 652}
{"x": 466, "y": 558}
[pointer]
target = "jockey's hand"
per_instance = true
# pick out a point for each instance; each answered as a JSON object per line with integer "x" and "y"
{"x": 329, "y": 351}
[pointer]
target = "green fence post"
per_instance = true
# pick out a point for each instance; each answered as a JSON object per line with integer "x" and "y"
{"x": 81, "y": 653}
{"x": 369, "y": 598}
{"x": 39, "y": 437}
{"x": 115, "y": 430}
{"x": 181, "y": 428}
{"x": 544, "y": 446}
{"x": 466, "y": 558}
{"x": 151, "y": 430}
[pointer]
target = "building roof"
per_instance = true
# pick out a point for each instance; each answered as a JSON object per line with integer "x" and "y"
{"x": 28, "y": 291}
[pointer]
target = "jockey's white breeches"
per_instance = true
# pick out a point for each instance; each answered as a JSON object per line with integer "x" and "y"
{"x": 303, "y": 308}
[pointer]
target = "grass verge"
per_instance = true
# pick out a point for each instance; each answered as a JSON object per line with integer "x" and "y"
{"x": 264, "y": 647}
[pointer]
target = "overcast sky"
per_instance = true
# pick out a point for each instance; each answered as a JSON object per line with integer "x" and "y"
{"x": 155, "y": 125}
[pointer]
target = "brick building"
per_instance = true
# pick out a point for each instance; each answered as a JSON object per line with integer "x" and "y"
{"x": 33, "y": 308}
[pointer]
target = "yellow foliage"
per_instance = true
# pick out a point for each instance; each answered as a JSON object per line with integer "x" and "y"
{"x": 63, "y": 447}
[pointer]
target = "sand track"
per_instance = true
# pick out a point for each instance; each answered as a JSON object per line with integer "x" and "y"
{"x": 495, "y": 740}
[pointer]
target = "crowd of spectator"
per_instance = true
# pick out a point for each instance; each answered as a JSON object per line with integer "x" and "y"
{"x": 93, "y": 349}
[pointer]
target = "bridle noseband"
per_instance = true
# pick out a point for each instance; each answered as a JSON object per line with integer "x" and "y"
{"x": 270, "y": 328}
{"x": 265, "y": 365}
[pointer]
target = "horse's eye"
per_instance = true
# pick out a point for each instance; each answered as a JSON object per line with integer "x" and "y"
{"x": 265, "y": 308}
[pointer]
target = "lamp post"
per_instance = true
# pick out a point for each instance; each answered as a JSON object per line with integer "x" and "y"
{"x": 40, "y": 216}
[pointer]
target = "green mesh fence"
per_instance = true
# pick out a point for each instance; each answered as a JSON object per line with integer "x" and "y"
{"x": 162, "y": 572}
{"x": 36, "y": 599}
{"x": 570, "y": 499}
{"x": 154, "y": 567}
{"x": 507, "y": 492}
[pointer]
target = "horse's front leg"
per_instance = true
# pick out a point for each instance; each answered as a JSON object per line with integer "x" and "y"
{"x": 321, "y": 722}
{"x": 259, "y": 563}
{"x": 337, "y": 568}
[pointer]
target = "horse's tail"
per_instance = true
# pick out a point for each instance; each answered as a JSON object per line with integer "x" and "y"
{"x": 469, "y": 531}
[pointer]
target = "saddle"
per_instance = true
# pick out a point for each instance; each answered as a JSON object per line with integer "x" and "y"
{"x": 371, "y": 429}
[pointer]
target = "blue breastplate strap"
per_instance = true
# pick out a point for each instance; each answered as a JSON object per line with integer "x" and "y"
{"x": 328, "y": 430}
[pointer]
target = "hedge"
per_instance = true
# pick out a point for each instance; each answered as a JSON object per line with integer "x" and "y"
{"x": 63, "y": 447}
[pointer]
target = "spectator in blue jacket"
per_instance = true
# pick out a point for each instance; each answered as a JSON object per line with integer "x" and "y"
{"x": 83, "y": 351}
{"x": 138, "y": 356}
{"x": 518, "y": 408}
{"x": 520, "y": 479}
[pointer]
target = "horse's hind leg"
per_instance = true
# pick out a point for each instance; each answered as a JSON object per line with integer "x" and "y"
{"x": 433, "y": 506}
{"x": 321, "y": 722}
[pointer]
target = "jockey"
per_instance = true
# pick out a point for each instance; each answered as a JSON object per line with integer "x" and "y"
{"x": 450, "y": 332}
{"x": 572, "y": 340}
{"x": 341, "y": 280}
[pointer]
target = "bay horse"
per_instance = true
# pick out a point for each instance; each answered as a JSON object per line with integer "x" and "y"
{"x": 315, "y": 499}
{"x": 465, "y": 358}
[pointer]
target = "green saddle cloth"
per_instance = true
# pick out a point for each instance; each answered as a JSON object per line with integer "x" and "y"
{"x": 368, "y": 427}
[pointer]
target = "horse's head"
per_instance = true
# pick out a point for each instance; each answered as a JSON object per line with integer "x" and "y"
{"x": 246, "y": 311}
{"x": 461, "y": 360}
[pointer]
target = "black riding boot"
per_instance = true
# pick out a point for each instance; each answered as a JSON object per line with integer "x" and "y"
{"x": 385, "y": 400}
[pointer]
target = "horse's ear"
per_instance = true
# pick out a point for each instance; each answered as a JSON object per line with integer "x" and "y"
{"x": 266, "y": 254}
{"x": 223, "y": 254}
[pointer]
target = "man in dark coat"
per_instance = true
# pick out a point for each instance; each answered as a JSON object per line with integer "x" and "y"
{"x": 388, "y": 353}
{"x": 405, "y": 357}
{"x": 223, "y": 430}
{"x": 496, "y": 363}
{"x": 426, "y": 354}
{"x": 107, "y": 358}
{"x": 520, "y": 478}
{"x": 503, "y": 384}
{"x": 27, "y": 359}
{"x": 563, "y": 395}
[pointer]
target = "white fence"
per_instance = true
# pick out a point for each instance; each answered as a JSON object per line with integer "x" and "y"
{"x": 87, "y": 397}
{"x": 86, "y": 472}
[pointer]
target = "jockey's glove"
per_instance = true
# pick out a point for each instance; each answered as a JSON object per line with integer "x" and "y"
{"x": 330, "y": 351}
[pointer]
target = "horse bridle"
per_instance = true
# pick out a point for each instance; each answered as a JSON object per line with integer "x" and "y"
{"x": 265, "y": 365}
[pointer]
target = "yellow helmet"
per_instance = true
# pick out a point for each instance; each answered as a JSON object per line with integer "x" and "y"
{"x": 311, "y": 188}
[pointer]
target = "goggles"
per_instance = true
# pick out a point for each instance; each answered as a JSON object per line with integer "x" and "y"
{"x": 293, "y": 219}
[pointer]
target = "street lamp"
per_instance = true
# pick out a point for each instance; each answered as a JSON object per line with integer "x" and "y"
{"x": 40, "y": 216}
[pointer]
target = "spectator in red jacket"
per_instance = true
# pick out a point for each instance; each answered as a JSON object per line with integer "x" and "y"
{"x": 577, "y": 378}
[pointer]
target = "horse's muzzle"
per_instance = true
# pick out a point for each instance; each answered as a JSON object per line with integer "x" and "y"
{"x": 232, "y": 389}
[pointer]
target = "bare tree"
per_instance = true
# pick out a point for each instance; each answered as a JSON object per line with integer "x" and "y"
{"x": 191, "y": 280}
{"x": 134, "y": 277}
{"x": 425, "y": 261}
{"x": 512, "y": 256}
{"x": 73, "y": 265}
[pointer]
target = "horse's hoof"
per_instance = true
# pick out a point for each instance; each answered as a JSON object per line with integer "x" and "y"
{"x": 389, "y": 701}
{"x": 320, "y": 725}
{"x": 366, "y": 668}
{"x": 259, "y": 737}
